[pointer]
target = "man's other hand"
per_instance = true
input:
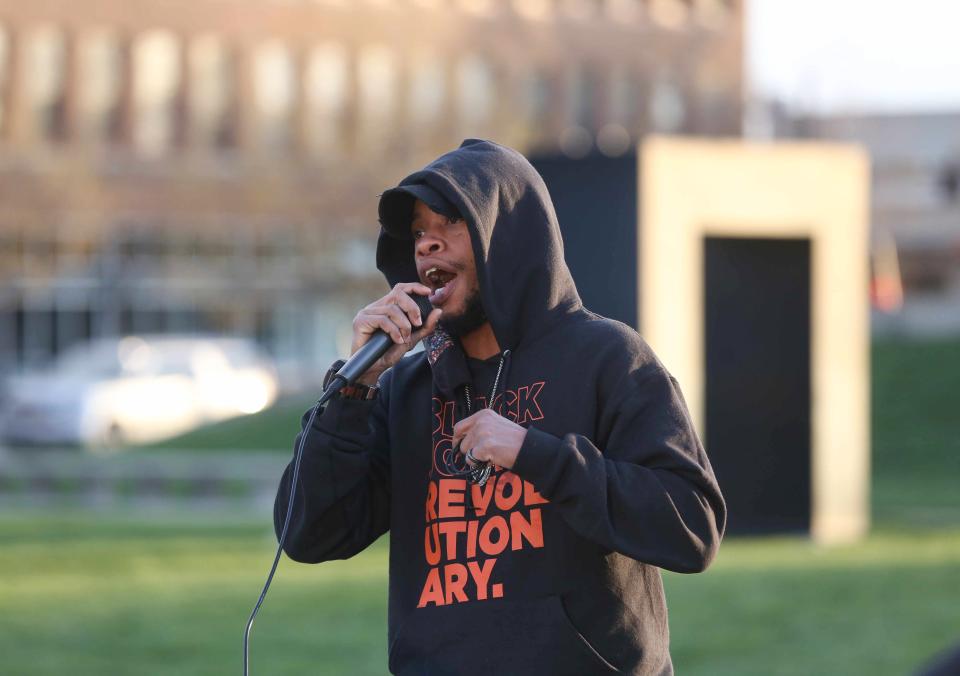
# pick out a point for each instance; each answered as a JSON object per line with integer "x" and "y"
{"x": 489, "y": 437}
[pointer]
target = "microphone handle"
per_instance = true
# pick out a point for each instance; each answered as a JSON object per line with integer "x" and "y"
{"x": 361, "y": 360}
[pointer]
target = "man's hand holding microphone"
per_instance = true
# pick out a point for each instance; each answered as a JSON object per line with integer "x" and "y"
{"x": 399, "y": 316}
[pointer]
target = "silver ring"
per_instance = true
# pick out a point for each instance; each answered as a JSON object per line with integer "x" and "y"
{"x": 469, "y": 456}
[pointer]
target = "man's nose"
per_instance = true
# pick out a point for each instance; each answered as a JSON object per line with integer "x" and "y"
{"x": 429, "y": 244}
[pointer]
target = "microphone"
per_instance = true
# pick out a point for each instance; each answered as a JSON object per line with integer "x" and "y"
{"x": 368, "y": 353}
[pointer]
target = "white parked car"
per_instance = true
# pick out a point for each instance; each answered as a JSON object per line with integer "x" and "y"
{"x": 139, "y": 388}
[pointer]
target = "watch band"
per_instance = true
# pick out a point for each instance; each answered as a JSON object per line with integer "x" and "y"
{"x": 355, "y": 391}
{"x": 359, "y": 391}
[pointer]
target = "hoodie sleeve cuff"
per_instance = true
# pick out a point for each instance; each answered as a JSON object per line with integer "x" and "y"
{"x": 537, "y": 459}
{"x": 345, "y": 416}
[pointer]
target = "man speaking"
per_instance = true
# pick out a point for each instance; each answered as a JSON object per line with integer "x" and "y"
{"x": 535, "y": 464}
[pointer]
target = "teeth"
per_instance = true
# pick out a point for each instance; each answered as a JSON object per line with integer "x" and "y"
{"x": 433, "y": 276}
{"x": 437, "y": 278}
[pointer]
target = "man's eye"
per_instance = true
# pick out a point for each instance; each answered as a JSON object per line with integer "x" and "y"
{"x": 417, "y": 234}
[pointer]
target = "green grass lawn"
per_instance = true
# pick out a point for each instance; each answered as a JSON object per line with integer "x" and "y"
{"x": 86, "y": 596}
{"x": 916, "y": 432}
{"x": 119, "y": 597}
{"x": 82, "y": 594}
{"x": 274, "y": 429}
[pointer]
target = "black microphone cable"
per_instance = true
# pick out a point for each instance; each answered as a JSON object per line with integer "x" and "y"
{"x": 333, "y": 387}
{"x": 356, "y": 365}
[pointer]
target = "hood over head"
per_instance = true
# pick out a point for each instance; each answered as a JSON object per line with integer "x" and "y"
{"x": 525, "y": 284}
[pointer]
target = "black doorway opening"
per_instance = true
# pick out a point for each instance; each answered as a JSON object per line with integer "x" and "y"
{"x": 757, "y": 342}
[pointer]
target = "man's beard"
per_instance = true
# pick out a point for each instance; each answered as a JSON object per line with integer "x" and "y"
{"x": 471, "y": 319}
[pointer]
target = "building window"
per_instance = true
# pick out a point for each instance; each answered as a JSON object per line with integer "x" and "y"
{"x": 578, "y": 10}
{"x": 4, "y": 78}
{"x": 212, "y": 88}
{"x": 36, "y": 339}
{"x": 478, "y": 7}
{"x": 475, "y": 94}
{"x": 623, "y": 95}
{"x": 670, "y": 14}
{"x": 538, "y": 96}
{"x": 948, "y": 183}
{"x": 614, "y": 137}
{"x": 98, "y": 102}
{"x": 274, "y": 83}
{"x": 39, "y": 243}
{"x": 45, "y": 77}
{"x": 534, "y": 9}
{"x": 713, "y": 14}
{"x": 11, "y": 254}
{"x": 326, "y": 92}
{"x": 156, "y": 83}
{"x": 625, "y": 11}
{"x": 581, "y": 91}
{"x": 535, "y": 96}
{"x": 667, "y": 110}
{"x": 377, "y": 83}
{"x": 428, "y": 88}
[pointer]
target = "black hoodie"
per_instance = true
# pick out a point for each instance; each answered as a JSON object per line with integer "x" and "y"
{"x": 552, "y": 567}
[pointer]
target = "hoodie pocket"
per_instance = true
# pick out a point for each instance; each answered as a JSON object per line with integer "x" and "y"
{"x": 504, "y": 637}
{"x": 609, "y": 668}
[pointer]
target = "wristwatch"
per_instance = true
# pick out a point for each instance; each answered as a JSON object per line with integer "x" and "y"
{"x": 355, "y": 391}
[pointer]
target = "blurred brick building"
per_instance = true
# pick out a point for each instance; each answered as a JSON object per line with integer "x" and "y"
{"x": 915, "y": 208}
{"x": 214, "y": 164}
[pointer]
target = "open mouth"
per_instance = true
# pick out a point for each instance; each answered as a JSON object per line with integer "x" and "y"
{"x": 441, "y": 281}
